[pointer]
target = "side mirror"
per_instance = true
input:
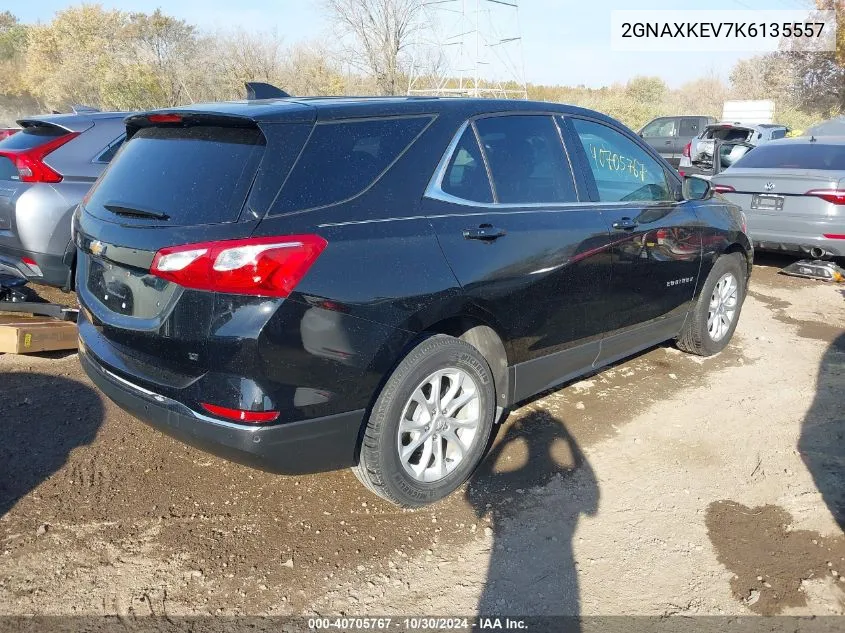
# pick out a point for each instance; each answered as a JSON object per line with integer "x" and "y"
{"x": 696, "y": 188}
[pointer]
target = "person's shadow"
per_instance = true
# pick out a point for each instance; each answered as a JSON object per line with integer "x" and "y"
{"x": 42, "y": 419}
{"x": 532, "y": 568}
{"x": 822, "y": 441}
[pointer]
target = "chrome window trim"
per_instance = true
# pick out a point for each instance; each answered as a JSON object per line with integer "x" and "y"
{"x": 434, "y": 190}
{"x": 98, "y": 156}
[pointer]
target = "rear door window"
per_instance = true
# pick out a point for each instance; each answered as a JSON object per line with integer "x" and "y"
{"x": 193, "y": 175}
{"x": 623, "y": 171}
{"x": 110, "y": 151}
{"x": 343, "y": 158}
{"x": 466, "y": 176}
{"x": 690, "y": 126}
{"x": 795, "y": 156}
{"x": 526, "y": 158}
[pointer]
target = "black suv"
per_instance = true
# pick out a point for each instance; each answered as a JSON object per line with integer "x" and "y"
{"x": 306, "y": 284}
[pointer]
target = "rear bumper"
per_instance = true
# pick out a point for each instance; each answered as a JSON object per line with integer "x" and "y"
{"x": 307, "y": 446}
{"x": 55, "y": 271}
{"x": 790, "y": 243}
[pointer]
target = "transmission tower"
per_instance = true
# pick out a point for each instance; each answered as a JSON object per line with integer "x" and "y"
{"x": 470, "y": 48}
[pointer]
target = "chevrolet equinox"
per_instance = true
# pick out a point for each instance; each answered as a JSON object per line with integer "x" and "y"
{"x": 306, "y": 284}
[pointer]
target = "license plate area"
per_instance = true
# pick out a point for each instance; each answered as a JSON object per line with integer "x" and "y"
{"x": 126, "y": 291}
{"x": 766, "y": 202}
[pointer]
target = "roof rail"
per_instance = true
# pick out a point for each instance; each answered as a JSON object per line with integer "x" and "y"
{"x": 260, "y": 90}
{"x": 83, "y": 109}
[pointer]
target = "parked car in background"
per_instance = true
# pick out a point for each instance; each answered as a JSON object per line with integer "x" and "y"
{"x": 734, "y": 139}
{"x": 45, "y": 170}
{"x": 670, "y": 134}
{"x": 7, "y": 131}
{"x": 306, "y": 284}
{"x": 793, "y": 193}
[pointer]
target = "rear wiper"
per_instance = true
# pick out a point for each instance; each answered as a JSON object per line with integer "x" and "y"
{"x": 119, "y": 209}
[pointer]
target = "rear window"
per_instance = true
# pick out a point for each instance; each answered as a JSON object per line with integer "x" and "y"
{"x": 344, "y": 158}
{"x": 795, "y": 156}
{"x": 730, "y": 134}
{"x": 194, "y": 175}
{"x": 30, "y": 137}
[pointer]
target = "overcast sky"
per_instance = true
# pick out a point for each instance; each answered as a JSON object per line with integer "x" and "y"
{"x": 563, "y": 42}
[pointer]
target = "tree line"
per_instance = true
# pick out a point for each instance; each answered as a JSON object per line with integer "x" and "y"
{"x": 122, "y": 60}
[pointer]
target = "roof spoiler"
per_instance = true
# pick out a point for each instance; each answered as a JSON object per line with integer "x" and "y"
{"x": 260, "y": 90}
{"x": 83, "y": 109}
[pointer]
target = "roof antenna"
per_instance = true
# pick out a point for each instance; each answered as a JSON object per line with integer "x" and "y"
{"x": 812, "y": 138}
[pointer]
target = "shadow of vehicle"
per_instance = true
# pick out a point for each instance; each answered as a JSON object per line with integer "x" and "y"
{"x": 822, "y": 441}
{"x": 532, "y": 568}
{"x": 42, "y": 419}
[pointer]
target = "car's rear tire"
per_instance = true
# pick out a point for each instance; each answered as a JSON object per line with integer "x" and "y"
{"x": 714, "y": 317}
{"x": 429, "y": 427}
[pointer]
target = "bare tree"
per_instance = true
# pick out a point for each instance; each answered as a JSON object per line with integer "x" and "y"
{"x": 382, "y": 31}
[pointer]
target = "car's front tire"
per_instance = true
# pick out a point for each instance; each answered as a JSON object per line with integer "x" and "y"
{"x": 714, "y": 317}
{"x": 429, "y": 427}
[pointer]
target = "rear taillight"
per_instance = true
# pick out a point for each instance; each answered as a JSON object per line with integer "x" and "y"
{"x": 687, "y": 148}
{"x": 836, "y": 196}
{"x": 30, "y": 162}
{"x": 723, "y": 189}
{"x": 7, "y": 133}
{"x": 240, "y": 415}
{"x": 266, "y": 266}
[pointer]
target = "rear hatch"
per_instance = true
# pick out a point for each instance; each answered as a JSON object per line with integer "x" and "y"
{"x": 24, "y": 160}
{"x": 181, "y": 178}
{"x": 701, "y": 150}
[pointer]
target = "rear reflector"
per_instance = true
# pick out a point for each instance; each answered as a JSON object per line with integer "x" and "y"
{"x": 240, "y": 415}
{"x": 723, "y": 189}
{"x": 265, "y": 266}
{"x": 36, "y": 269}
{"x": 836, "y": 196}
{"x": 165, "y": 118}
{"x": 29, "y": 162}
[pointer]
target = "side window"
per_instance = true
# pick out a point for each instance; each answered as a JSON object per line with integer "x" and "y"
{"x": 689, "y": 127}
{"x": 526, "y": 159}
{"x": 660, "y": 128}
{"x": 466, "y": 176}
{"x": 110, "y": 151}
{"x": 623, "y": 170}
{"x": 343, "y": 158}
{"x": 780, "y": 133}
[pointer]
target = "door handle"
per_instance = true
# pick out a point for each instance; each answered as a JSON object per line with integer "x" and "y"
{"x": 485, "y": 233}
{"x": 669, "y": 142}
{"x": 625, "y": 224}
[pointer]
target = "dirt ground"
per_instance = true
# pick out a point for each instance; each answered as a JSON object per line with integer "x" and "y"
{"x": 667, "y": 484}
